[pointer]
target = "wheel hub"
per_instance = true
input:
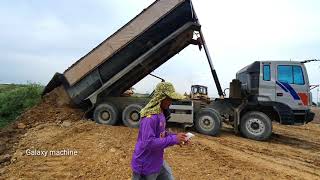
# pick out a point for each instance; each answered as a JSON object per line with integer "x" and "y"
{"x": 134, "y": 116}
{"x": 255, "y": 126}
{"x": 206, "y": 122}
{"x": 105, "y": 115}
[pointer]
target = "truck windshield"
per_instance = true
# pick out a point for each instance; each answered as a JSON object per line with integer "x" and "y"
{"x": 290, "y": 74}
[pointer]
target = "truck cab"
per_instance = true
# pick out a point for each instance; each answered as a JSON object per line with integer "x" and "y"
{"x": 282, "y": 86}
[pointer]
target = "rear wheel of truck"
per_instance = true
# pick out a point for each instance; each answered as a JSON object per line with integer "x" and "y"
{"x": 131, "y": 115}
{"x": 208, "y": 121}
{"x": 105, "y": 114}
{"x": 256, "y": 125}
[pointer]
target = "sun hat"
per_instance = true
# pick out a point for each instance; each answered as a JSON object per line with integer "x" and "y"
{"x": 162, "y": 90}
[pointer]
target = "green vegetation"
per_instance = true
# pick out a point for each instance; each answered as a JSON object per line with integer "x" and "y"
{"x": 14, "y": 99}
{"x": 10, "y": 87}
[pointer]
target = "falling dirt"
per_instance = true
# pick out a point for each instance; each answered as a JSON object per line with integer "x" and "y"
{"x": 93, "y": 151}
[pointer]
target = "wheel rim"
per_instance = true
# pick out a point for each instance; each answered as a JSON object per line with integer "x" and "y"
{"x": 255, "y": 126}
{"x": 105, "y": 115}
{"x": 207, "y": 123}
{"x": 134, "y": 116}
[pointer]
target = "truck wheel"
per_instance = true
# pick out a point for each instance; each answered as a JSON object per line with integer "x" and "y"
{"x": 208, "y": 121}
{"x": 131, "y": 115}
{"x": 256, "y": 125}
{"x": 105, "y": 114}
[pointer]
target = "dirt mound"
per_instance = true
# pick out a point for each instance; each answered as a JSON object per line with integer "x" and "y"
{"x": 51, "y": 109}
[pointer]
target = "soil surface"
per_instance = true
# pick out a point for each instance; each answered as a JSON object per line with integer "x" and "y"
{"x": 81, "y": 149}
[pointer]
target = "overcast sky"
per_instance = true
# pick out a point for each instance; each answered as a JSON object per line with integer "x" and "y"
{"x": 39, "y": 38}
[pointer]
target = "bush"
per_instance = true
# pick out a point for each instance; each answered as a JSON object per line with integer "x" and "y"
{"x": 17, "y": 99}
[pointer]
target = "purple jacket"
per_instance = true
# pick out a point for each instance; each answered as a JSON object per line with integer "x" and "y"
{"x": 152, "y": 139}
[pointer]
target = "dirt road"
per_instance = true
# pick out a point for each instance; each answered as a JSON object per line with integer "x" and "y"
{"x": 104, "y": 152}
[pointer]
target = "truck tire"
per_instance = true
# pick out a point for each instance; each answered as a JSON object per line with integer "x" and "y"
{"x": 256, "y": 125}
{"x": 208, "y": 121}
{"x": 105, "y": 113}
{"x": 131, "y": 115}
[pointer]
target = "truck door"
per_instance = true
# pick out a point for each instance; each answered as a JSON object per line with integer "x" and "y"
{"x": 292, "y": 86}
{"x": 267, "y": 82}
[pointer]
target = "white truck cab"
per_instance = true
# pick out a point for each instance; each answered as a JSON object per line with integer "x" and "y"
{"x": 282, "y": 85}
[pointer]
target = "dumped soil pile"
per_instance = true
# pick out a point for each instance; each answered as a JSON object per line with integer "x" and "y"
{"x": 82, "y": 149}
{"x": 51, "y": 109}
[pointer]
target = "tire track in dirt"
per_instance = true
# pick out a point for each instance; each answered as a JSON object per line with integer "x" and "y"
{"x": 214, "y": 162}
{"x": 287, "y": 158}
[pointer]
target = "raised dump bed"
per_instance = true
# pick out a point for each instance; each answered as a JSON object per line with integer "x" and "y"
{"x": 131, "y": 53}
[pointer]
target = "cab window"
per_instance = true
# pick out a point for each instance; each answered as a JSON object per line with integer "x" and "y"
{"x": 203, "y": 90}
{"x": 266, "y": 73}
{"x": 194, "y": 90}
{"x": 298, "y": 75}
{"x": 290, "y": 74}
{"x": 200, "y": 90}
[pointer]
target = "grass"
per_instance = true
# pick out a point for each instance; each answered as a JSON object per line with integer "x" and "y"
{"x": 15, "y": 99}
{"x": 10, "y": 87}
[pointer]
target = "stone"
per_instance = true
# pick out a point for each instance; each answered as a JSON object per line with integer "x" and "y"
{"x": 21, "y": 126}
{"x": 113, "y": 150}
{"x": 14, "y": 159}
{"x": 66, "y": 124}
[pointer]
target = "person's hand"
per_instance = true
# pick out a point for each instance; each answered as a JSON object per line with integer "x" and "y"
{"x": 181, "y": 137}
{"x": 187, "y": 142}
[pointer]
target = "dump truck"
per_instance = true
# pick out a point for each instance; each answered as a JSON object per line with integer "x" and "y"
{"x": 262, "y": 92}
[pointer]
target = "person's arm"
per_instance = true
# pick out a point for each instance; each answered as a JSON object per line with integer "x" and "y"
{"x": 148, "y": 130}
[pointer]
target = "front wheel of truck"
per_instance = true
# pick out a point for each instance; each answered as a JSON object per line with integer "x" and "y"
{"x": 208, "y": 121}
{"x": 105, "y": 113}
{"x": 256, "y": 125}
